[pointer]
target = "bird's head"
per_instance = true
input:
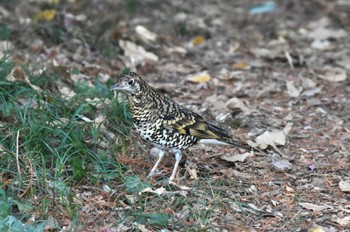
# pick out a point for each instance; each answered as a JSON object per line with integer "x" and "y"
{"x": 129, "y": 83}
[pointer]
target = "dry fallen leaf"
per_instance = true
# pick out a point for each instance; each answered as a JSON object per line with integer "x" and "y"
{"x": 145, "y": 34}
{"x": 316, "y": 229}
{"x": 177, "y": 49}
{"x": 272, "y": 138}
{"x": 265, "y": 53}
{"x": 345, "y": 221}
{"x": 17, "y": 74}
{"x": 344, "y": 186}
{"x": 141, "y": 227}
{"x": 235, "y": 103}
{"x": 313, "y": 207}
{"x": 334, "y": 74}
{"x": 241, "y": 65}
{"x": 289, "y": 189}
{"x": 236, "y": 157}
{"x": 192, "y": 172}
{"x": 202, "y": 77}
{"x": 136, "y": 53}
{"x": 322, "y": 45}
{"x": 198, "y": 40}
{"x": 158, "y": 191}
{"x": 282, "y": 165}
{"x": 45, "y": 15}
{"x": 66, "y": 92}
{"x": 312, "y": 92}
{"x": 292, "y": 90}
{"x": 5, "y": 46}
{"x": 322, "y": 22}
{"x": 344, "y": 63}
{"x": 327, "y": 33}
{"x": 307, "y": 83}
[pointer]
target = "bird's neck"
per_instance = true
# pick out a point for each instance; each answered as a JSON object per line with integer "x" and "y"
{"x": 145, "y": 101}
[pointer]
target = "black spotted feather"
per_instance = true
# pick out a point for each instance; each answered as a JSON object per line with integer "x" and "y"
{"x": 164, "y": 123}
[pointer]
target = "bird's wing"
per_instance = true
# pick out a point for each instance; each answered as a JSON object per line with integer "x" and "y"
{"x": 190, "y": 123}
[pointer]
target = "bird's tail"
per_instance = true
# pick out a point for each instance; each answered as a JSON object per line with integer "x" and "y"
{"x": 222, "y": 137}
{"x": 238, "y": 144}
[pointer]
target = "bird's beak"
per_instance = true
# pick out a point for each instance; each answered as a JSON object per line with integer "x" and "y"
{"x": 114, "y": 88}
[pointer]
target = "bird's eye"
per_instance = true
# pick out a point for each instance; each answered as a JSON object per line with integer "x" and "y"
{"x": 131, "y": 82}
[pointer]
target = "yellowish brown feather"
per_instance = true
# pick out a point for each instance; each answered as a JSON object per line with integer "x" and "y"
{"x": 196, "y": 127}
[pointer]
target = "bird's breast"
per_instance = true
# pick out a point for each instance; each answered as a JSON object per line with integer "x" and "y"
{"x": 155, "y": 133}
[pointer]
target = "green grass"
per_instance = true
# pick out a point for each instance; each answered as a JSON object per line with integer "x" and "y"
{"x": 46, "y": 148}
{"x": 47, "y": 151}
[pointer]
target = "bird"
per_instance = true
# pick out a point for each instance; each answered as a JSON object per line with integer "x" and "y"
{"x": 164, "y": 123}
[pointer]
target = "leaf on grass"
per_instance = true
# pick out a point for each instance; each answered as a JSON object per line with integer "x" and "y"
{"x": 158, "y": 191}
{"x": 272, "y": 138}
{"x": 18, "y": 74}
{"x": 237, "y": 157}
{"x": 202, "y": 77}
{"x": 313, "y": 207}
{"x": 344, "y": 186}
{"x": 5, "y": 46}
{"x": 134, "y": 184}
{"x": 66, "y": 92}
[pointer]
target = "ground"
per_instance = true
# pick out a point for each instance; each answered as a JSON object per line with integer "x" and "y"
{"x": 275, "y": 74}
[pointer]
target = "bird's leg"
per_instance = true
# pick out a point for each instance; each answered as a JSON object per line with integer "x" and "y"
{"x": 160, "y": 157}
{"x": 177, "y": 158}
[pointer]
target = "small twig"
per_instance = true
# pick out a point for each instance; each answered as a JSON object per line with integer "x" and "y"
{"x": 279, "y": 151}
{"x": 291, "y": 218}
{"x": 17, "y": 151}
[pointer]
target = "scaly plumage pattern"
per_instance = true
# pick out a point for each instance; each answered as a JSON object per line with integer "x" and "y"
{"x": 164, "y": 123}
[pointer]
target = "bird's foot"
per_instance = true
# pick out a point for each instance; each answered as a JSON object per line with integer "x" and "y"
{"x": 155, "y": 172}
